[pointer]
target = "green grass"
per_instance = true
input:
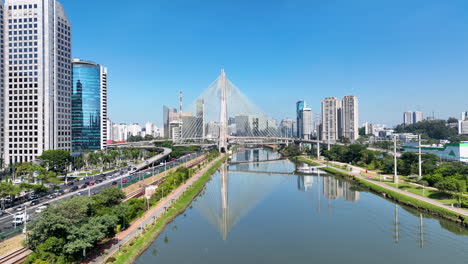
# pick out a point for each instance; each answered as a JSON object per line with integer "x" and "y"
{"x": 305, "y": 160}
{"x": 130, "y": 252}
{"x": 432, "y": 194}
{"x": 414, "y": 202}
{"x": 429, "y": 193}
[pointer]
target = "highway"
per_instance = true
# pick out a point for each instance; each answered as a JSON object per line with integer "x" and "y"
{"x": 117, "y": 178}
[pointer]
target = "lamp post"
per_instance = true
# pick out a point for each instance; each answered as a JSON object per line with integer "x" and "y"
{"x": 420, "y": 161}
{"x": 395, "y": 177}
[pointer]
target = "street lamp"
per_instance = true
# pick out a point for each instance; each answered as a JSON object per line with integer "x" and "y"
{"x": 395, "y": 177}
{"x": 165, "y": 173}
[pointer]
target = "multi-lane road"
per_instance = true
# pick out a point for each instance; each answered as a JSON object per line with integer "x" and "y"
{"x": 85, "y": 186}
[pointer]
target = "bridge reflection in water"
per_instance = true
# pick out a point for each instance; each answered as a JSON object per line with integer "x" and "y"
{"x": 225, "y": 205}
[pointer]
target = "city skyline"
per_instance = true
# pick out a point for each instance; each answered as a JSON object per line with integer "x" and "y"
{"x": 397, "y": 53}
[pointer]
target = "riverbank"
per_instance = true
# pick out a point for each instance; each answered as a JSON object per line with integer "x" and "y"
{"x": 129, "y": 252}
{"x": 419, "y": 202}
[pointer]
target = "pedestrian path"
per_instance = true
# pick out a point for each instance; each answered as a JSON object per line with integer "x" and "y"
{"x": 356, "y": 173}
{"x": 150, "y": 216}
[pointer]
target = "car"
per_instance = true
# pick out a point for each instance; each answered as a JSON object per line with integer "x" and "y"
{"x": 86, "y": 183}
{"x": 20, "y": 208}
{"x": 84, "y": 186}
{"x": 91, "y": 183}
{"x": 34, "y": 202}
{"x": 70, "y": 183}
{"x": 74, "y": 188}
{"x": 98, "y": 181}
{"x": 40, "y": 209}
{"x": 124, "y": 181}
{"x": 114, "y": 183}
{"x": 51, "y": 196}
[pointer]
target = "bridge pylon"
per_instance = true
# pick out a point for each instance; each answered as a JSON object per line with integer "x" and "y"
{"x": 223, "y": 113}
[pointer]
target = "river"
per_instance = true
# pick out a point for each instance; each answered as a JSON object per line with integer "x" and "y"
{"x": 263, "y": 212}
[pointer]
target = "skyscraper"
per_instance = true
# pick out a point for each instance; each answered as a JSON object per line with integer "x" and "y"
{"x": 89, "y": 106}
{"x": 167, "y": 112}
{"x": 417, "y": 117}
{"x": 349, "y": 117}
{"x": 38, "y": 79}
{"x": 306, "y": 123}
{"x": 287, "y": 128}
{"x": 330, "y": 111}
{"x": 464, "y": 116}
{"x": 408, "y": 118}
{"x": 299, "y": 107}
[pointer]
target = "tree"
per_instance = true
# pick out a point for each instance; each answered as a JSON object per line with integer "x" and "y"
{"x": 452, "y": 120}
{"x": 107, "y": 198}
{"x": 56, "y": 160}
{"x": 434, "y": 129}
{"x": 451, "y": 184}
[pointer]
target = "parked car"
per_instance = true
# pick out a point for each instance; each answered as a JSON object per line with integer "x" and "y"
{"x": 114, "y": 183}
{"x": 124, "y": 181}
{"x": 91, "y": 183}
{"x": 70, "y": 183}
{"x": 84, "y": 186}
{"x": 34, "y": 202}
{"x": 74, "y": 188}
{"x": 40, "y": 209}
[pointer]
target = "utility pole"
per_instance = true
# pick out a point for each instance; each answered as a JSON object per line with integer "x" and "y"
{"x": 420, "y": 161}
{"x": 395, "y": 177}
{"x": 328, "y": 133}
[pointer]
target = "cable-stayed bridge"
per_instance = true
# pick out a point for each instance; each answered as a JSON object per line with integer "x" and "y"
{"x": 222, "y": 115}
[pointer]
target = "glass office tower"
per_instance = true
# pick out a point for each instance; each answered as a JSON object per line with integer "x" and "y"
{"x": 89, "y": 106}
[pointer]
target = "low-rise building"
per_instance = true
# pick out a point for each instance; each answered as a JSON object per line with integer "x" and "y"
{"x": 450, "y": 152}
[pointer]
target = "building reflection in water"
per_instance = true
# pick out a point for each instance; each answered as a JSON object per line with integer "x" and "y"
{"x": 305, "y": 183}
{"x": 332, "y": 188}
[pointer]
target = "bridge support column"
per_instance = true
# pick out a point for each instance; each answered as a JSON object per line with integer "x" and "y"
{"x": 318, "y": 150}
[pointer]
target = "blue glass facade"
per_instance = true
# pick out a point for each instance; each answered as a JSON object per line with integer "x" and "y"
{"x": 300, "y": 120}
{"x": 86, "y": 107}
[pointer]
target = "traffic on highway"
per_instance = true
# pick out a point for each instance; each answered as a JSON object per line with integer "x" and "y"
{"x": 13, "y": 218}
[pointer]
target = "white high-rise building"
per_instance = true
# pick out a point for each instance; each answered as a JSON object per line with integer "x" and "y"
{"x": 120, "y": 132}
{"x": 408, "y": 118}
{"x": 330, "y": 107}
{"x": 464, "y": 116}
{"x": 110, "y": 130}
{"x": 150, "y": 128}
{"x": 418, "y": 117}
{"x": 134, "y": 129}
{"x": 349, "y": 117}
{"x": 37, "y": 114}
{"x": 306, "y": 123}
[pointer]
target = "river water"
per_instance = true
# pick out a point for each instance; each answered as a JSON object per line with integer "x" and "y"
{"x": 264, "y": 212}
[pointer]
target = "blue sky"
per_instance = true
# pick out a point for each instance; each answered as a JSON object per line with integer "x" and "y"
{"x": 394, "y": 55}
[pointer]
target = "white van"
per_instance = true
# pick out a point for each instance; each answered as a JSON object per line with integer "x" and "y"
{"x": 20, "y": 218}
